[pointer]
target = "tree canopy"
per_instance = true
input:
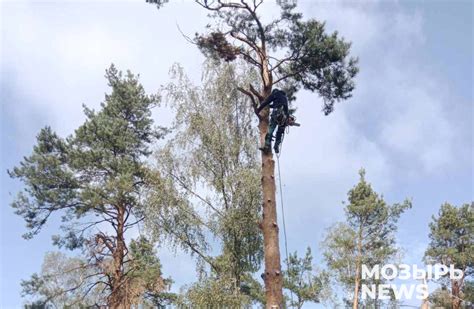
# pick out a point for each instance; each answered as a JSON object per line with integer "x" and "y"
{"x": 303, "y": 282}
{"x": 288, "y": 51}
{"x": 210, "y": 170}
{"x": 452, "y": 243}
{"x": 95, "y": 180}
{"x": 366, "y": 238}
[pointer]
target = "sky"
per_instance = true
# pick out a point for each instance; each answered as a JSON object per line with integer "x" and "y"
{"x": 409, "y": 122}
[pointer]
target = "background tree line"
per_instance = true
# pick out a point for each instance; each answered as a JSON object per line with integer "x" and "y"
{"x": 198, "y": 192}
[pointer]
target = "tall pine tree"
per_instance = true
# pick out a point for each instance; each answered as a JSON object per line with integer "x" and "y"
{"x": 287, "y": 52}
{"x": 95, "y": 179}
{"x": 452, "y": 243}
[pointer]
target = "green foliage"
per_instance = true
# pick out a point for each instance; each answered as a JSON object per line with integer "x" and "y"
{"x": 220, "y": 292}
{"x": 210, "y": 172}
{"x": 64, "y": 282}
{"x": 319, "y": 62}
{"x": 374, "y": 221}
{"x": 300, "y": 280}
{"x": 452, "y": 242}
{"x": 95, "y": 179}
{"x": 145, "y": 275}
{"x": 442, "y": 297}
{"x": 366, "y": 238}
{"x": 339, "y": 251}
{"x": 92, "y": 171}
{"x": 468, "y": 292}
{"x": 50, "y": 185}
{"x": 452, "y": 237}
{"x": 72, "y": 282}
{"x": 223, "y": 290}
{"x": 298, "y": 53}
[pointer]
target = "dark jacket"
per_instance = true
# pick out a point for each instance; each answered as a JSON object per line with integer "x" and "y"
{"x": 279, "y": 100}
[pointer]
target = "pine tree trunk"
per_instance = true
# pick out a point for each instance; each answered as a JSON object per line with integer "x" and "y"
{"x": 118, "y": 297}
{"x": 355, "y": 303}
{"x": 273, "y": 276}
{"x": 425, "y": 303}
{"x": 455, "y": 291}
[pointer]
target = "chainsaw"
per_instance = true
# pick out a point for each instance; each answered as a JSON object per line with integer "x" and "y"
{"x": 291, "y": 121}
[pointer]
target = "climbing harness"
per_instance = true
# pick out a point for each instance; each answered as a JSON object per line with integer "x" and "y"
{"x": 287, "y": 122}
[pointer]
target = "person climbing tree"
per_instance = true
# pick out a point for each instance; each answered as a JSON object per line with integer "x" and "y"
{"x": 280, "y": 117}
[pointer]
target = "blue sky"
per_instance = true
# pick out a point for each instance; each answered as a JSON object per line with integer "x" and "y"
{"x": 409, "y": 123}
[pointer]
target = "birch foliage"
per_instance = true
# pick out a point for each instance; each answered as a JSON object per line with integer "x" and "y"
{"x": 210, "y": 166}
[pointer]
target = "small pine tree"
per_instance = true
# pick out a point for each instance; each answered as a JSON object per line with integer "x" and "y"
{"x": 366, "y": 238}
{"x": 302, "y": 281}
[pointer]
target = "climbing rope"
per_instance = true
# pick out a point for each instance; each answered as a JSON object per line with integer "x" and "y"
{"x": 283, "y": 212}
{"x": 282, "y": 207}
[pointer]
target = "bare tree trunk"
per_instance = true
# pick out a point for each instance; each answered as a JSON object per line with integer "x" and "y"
{"x": 355, "y": 302}
{"x": 273, "y": 276}
{"x": 425, "y": 304}
{"x": 455, "y": 292}
{"x": 118, "y": 297}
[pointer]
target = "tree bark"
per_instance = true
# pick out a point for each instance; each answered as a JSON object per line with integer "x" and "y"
{"x": 355, "y": 302}
{"x": 118, "y": 297}
{"x": 455, "y": 292}
{"x": 425, "y": 304}
{"x": 273, "y": 276}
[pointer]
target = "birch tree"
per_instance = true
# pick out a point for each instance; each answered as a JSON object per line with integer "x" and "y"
{"x": 210, "y": 166}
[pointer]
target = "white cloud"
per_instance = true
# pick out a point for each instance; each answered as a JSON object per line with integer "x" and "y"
{"x": 403, "y": 104}
{"x": 396, "y": 125}
{"x": 419, "y": 129}
{"x": 57, "y": 54}
{"x": 319, "y": 164}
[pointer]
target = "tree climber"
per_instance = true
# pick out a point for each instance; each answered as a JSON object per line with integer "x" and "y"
{"x": 280, "y": 117}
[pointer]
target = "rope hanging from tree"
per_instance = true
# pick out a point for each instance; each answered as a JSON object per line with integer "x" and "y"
{"x": 283, "y": 211}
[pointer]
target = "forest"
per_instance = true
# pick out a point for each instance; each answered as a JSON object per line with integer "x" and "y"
{"x": 124, "y": 185}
